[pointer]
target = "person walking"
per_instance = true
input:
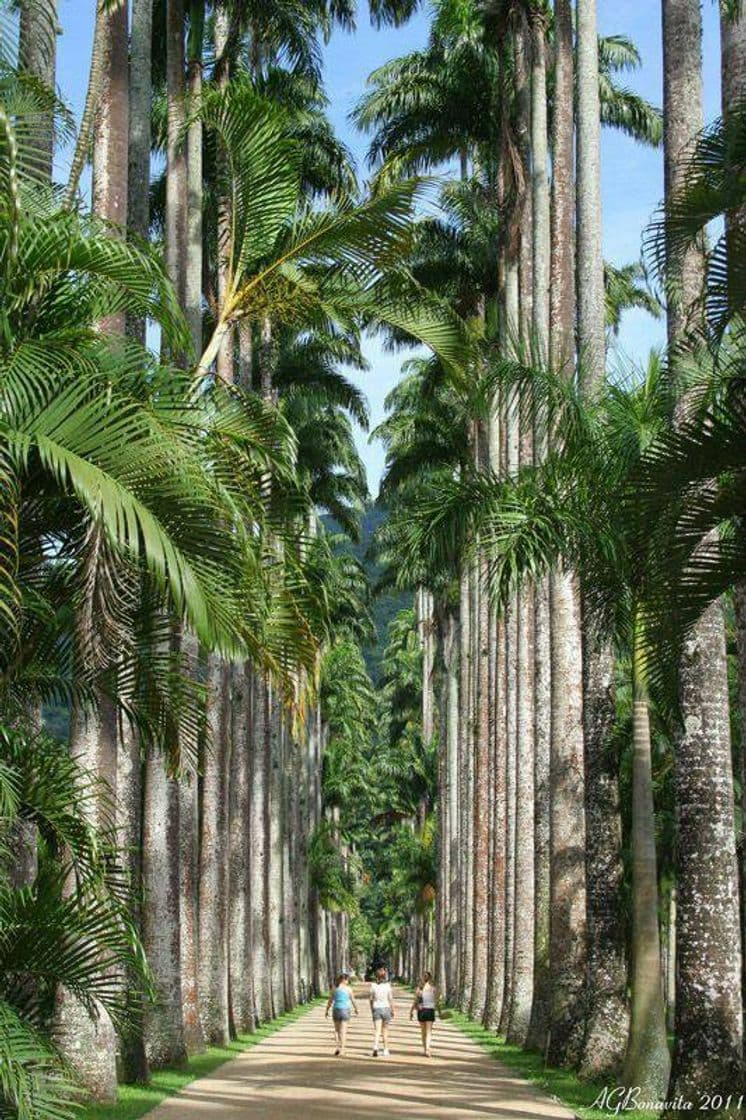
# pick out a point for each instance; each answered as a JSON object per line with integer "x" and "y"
{"x": 382, "y": 1007}
{"x": 341, "y": 1002}
{"x": 425, "y": 1002}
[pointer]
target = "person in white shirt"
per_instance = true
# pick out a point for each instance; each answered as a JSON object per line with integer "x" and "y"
{"x": 382, "y": 1006}
{"x": 425, "y": 1002}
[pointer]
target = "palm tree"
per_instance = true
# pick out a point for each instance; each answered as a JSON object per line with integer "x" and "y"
{"x": 50, "y": 936}
{"x": 708, "y": 1043}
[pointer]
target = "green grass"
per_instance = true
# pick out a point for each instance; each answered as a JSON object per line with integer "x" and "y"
{"x": 576, "y": 1095}
{"x": 137, "y": 1100}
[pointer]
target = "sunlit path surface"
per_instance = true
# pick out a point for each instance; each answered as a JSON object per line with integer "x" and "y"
{"x": 294, "y": 1074}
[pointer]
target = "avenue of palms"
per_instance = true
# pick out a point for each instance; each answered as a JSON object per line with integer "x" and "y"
{"x": 215, "y": 793}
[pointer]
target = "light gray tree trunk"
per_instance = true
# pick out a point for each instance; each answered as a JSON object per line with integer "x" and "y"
{"x": 258, "y": 851}
{"x": 481, "y": 807}
{"x": 194, "y": 1038}
{"x": 590, "y": 264}
{"x": 708, "y": 1055}
{"x": 91, "y": 1046}
{"x": 140, "y": 95}
{"x": 240, "y": 972}
{"x": 647, "y": 1062}
{"x": 608, "y": 1016}
{"x": 213, "y": 865}
{"x": 733, "y": 88}
{"x": 523, "y": 925}
{"x": 37, "y": 55}
{"x": 193, "y": 274}
{"x": 465, "y": 802}
{"x": 538, "y": 1027}
{"x": 274, "y": 868}
{"x": 164, "y": 1024}
{"x": 88, "y": 1044}
{"x": 567, "y": 951}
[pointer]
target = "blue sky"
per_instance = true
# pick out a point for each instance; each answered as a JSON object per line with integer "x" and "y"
{"x": 632, "y": 176}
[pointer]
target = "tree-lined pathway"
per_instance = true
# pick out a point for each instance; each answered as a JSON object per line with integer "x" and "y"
{"x": 294, "y": 1073}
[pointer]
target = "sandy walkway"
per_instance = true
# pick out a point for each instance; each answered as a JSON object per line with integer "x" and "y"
{"x": 294, "y": 1074}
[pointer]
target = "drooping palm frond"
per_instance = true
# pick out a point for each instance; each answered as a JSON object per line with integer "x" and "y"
{"x": 33, "y": 1081}
{"x": 714, "y": 186}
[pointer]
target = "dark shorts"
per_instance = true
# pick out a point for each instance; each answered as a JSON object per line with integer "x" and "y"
{"x": 426, "y": 1014}
{"x": 340, "y": 1016}
{"x": 383, "y": 1013}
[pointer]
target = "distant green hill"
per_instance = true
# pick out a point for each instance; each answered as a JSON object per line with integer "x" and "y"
{"x": 387, "y": 604}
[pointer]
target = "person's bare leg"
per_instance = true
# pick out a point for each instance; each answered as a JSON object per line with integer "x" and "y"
{"x": 377, "y": 1025}
{"x": 423, "y": 1032}
{"x": 343, "y": 1037}
{"x": 385, "y": 1033}
{"x": 428, "y": 1037}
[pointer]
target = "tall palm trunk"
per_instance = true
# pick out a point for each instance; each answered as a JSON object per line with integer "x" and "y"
{"x": 194, "y": 1038}
{"x": 193, "y": 273}
{"x": 213, "y": 865}
{"x": 258, "y": 855}
{"x": 567, "y": 955}
{"x": 523, "y": 936}
{"x": 130, "y": 782}
{"x": 708, "y": 1055}
{"x": 647, "y": 1061}
{"x": 482, "y": 766}
{"x": 140, "y": 93}
{"x": 498, "y": 810}
{"x": 453, "y": 886}
{"x": 111, "y": 130}
{"x": 38, "y": 57}
{"x": 733, "y": 86}
{"x": 164, "y": 1025}
{"x": 608, "y": 1015}
{"x": 590, "y": 264}
{"x": 239, "y": 948}
{"x": 89, "y": 1045}
{"x": 275, "y": 822}
{"x": 542, "y": 652}
{"x": 465, "y": 801}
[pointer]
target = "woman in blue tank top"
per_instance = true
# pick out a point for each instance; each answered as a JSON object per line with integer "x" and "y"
{"x": 341, "y": 1002}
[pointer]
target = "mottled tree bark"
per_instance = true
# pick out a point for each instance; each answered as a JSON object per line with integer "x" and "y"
{"x": 481, "y": 806}
{"x": 608, "y": 1017}
{"x": 608, "y": 1008}
{"x": 140, "y": 95}
{"x": 523, "y": 936}
{"x": 708, "y": 1055}
{"x": 90, "y": 1044}
{"x": 194, "y": 1038}
{"x": 538, "y": 1026}
{"x": 258, "y": 851}
{"x": 465, "y": 802}
{"x": 37, "y": 55}
{"x": 240, "y": 973}
{"x": 213, "y": 866}
{"x": 274, "y": 863}
{"x": 164, "y": 1025}
{"x": 567, "y": 951}
{"x": 130, "y": 775}
{"x": 647, "y": 1061}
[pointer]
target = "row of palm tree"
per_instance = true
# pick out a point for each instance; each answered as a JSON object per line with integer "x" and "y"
{"x": 572, "y": 536}
{"x": 174, "y": 418}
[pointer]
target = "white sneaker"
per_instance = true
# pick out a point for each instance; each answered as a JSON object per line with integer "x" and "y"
{"x": 386, "y": 1054}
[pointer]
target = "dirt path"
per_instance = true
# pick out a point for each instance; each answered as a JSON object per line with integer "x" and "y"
{"x": 293, "y": 1075}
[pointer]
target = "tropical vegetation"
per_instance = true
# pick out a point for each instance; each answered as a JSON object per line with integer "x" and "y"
{"x": 213, "y": 794}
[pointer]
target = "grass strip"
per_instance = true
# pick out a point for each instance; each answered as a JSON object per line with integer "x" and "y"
{"x": 137, "y": 1100}
{"x": 562, "y": 1084}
